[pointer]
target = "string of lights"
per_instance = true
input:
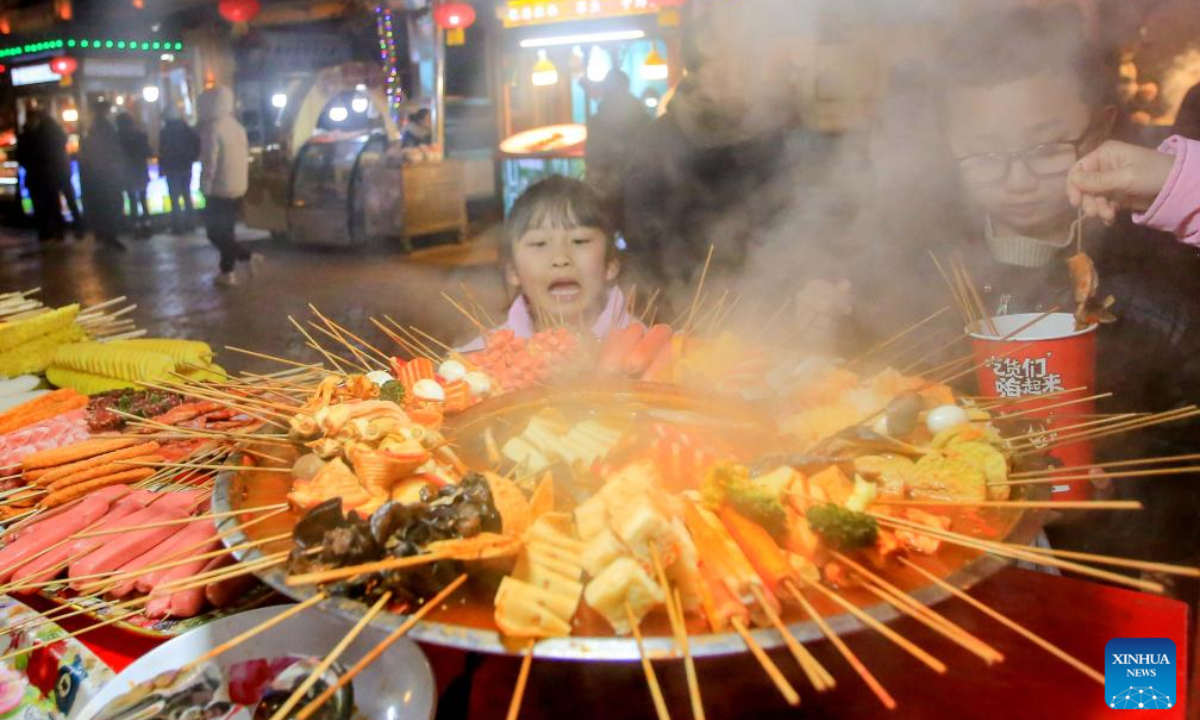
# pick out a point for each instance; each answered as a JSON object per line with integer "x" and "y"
{"x": 387, "y": 56}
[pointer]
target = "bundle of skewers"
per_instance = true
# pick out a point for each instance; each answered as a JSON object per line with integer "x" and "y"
{"x": 577, "y": 494}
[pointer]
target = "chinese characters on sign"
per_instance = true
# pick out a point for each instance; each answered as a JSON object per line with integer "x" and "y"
{"x": 1021, "y": 377}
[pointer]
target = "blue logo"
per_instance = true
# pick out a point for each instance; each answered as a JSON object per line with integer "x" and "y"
{"x": 1139, "y": 673}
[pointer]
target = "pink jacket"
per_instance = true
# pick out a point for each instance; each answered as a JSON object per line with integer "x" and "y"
{"x": 520, "y": 319}
{"x": 1177, "y": 208}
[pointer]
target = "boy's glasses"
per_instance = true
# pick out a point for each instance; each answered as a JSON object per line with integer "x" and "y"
{"x": 1044, "y": 160}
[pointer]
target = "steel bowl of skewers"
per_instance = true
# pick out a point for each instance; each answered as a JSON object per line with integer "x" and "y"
{"x": 605, "y": 518}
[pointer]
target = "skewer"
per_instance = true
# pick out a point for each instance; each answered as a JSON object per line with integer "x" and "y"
{"x": 674, "y": 606}
{"x": 1015, "y": 504}
{"x": 1106, "y": 465}
{"x": 471, "y": 296}
{"x": 689, "y": 663}
{"x": 785, "y": 688}
{"x": 187, "y": 466}
{"x": 941, "y": 624}
{"x": 298, "y": 694}
{"x": 1119, "y": 428}
{"x": 1146, "y": 565}
{"x": 379, "y": 649}
{"x": 309, "y": 366}
{"x": 1054, "y": 479}
{"x": 1009, "y": 623}
{"x": 242, "y": 568}
{"x": 987, "y": 316}
{"x": 817, "y": 675}
{"x": 259, "y": 628}
{"x": 904, "y": 643}
{"x": 514, "y": 705}
{"x": 324, "y": 576}
{"x": 898, "y": 336}
{"x": 867, "y": 677}
{"x": 699, "y": 292}
{"x": 1059, "y": 429}
{"x": 423, "y": 350}
{"x": 345, "y": 331}
{"x": 401, "y": 342}
{"x": 660, "y": 706}
{"x": 1043, "y": 408}
{"x": 317, "y": 346}
{"x": 362, "y": 360}
{"x": 1003, "y": 550}
{"x": 473, "y": 320}
{"x": 183, "y": 521}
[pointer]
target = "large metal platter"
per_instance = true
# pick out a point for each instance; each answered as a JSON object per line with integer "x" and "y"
{"x": 231, "y": 488}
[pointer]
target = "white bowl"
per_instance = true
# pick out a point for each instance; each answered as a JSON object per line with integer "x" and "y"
{"x": 398, "y": 686}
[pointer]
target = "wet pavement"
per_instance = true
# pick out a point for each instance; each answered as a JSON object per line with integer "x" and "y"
{"x": 170, "y": 278}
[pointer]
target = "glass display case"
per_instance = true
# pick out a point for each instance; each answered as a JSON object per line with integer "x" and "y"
{"x": 345, "y": 191}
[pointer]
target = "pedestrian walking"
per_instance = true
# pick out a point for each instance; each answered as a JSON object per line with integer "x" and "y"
{"x": 224, "y": 171}
{"x": 178, "y": 150}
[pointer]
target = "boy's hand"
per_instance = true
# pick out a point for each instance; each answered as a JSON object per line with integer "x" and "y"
{"x": 1117, "y": 176}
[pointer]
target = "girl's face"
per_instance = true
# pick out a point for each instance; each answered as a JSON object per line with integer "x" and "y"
{"x": 563, "y": 272}
{"x": 1038, "y": 116}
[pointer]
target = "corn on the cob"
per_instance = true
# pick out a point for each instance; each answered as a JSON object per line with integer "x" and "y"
{"x": 36, "y": 355}
{"x": 83, "y": 382}
{"x": 211, "y": 372}
{"x": 19, "y": 332}
{"x": 118, "y": 363}
{"x": 183, "y": 352}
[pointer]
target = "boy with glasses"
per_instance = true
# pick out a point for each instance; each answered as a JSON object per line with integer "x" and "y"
{"x": 1026, "y": 96}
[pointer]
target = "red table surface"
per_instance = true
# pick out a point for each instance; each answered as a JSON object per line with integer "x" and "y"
{"x": 1078, "y": 616}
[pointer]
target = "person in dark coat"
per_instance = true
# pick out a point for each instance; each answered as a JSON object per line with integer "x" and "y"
{"x": 1187, "y": 121}
{"x": 178, "y": 150}
{"x": 619, "y": 117}
{"x": 136, "y": 152}
{"x": 37, "y": 157}
{"x": 101, "y": 173}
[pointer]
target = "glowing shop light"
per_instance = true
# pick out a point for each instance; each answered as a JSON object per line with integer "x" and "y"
{"x": 279, "y": 100}
{"x": 70, "y": 115}
{"x": 584, "y": 39}
{"x": 655, "y": 67}
{"x": 544, "y": 72}
{"x": 150, "y": 93}
{"x": 338, "y": 113}
{"x": 360, "y": 105}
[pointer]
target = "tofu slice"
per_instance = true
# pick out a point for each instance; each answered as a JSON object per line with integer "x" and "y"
{"x": 622, "y": 581}
{"x": 601, "y": 551}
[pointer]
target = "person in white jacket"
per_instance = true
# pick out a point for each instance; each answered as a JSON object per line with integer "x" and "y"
{"x": 224, "y": 170}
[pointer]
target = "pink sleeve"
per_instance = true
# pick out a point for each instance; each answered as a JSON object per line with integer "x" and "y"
{"x": 1177, "y": 208}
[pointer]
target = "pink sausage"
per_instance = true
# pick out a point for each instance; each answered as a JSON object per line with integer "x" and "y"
{"x": 47, "y": 566}
{"x": 162, "y": 603}
{"x": 189, "y": 603}
{"x": 120, "y": 549}
{"x": 185, "y": 543}
{"x": 186, "y": 500}
{"x": 112, "y": 493}
{"x": 20, "y": 552}
{"x": 124, "y": 512}
{"x": 149, "y": 581}
{"x": 224, "y": 593}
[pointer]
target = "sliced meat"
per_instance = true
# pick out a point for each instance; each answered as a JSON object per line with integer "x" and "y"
{"x": 21, "y": 551}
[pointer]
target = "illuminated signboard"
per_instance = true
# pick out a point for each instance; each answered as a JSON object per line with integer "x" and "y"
{"x": 34, "y": 74}
{"x": 518, "y": 13}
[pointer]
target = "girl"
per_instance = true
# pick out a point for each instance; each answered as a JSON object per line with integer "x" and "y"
{"x": 558, "y": 254}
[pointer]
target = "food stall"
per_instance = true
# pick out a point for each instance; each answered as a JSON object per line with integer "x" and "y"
{"x": 338, "y": 175}
{"x": 65, "y": 73}
{"x": 550, "y": 60}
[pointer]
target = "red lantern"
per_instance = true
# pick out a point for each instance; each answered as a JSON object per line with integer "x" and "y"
{"x": 454, "y": 17}
{"x": 238, "y": 11}
{"x": 64, "y": 65}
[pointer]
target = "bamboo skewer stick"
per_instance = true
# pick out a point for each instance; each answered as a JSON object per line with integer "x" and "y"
{"x": 1003, "y": 550}
{"x": 345, "y": 331}
{"x": 324, "y": 576}
{"x": 379, "y": 649}
{"x": 817, "y": 675}
{"x": 904, "y": 643}
{"x": 204, "y": 466}
{"x": 242, "y": 568}
{"x": 660, "y": 706}
{"x": 781, "y": 683}
{"x": 1015, "y": 504}
{"x": 183, "y": 521}
{"x": 699, "y": 290}
{"x": 1119, "y": 428}
{"x": 298, "y": 694}
{"x": 473, "y": 320}
{"x": 689, "y": 663}
{"x": 361, "y": 359}
{"x": 317, "y": 346}
{"x": 514, "y": 705}
{"x": 252, "y": 632}
{"x": 898, "y": 336}
{"x": 1106, "y": 465}
{"x": 1055, "y": 479}
{"x": 1060, "y": 429}
{"x": 309, "y": 366}
{"x": 401, "y": 342}
{"x": 1009, "y": 623}
{"x": 1146, "y": 565}
{"x": 1042, "y": 409}
{"x": 867, "y": 677}
{"x": 893, "y": 595}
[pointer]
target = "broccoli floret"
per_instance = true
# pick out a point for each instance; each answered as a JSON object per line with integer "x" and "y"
{"x": 759, "y": 499}
{"x": 392, "y": 390}
{"x": 841, "y": 528}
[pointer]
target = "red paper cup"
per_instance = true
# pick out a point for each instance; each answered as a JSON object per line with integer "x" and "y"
{"x": 1048, "y": 356}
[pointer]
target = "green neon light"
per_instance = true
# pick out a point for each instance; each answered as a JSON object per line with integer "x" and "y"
{"x": 70, "y": 43}
{"x": 156, "y": 45}
{"x": 145, "y": 46}
{"x": 121, "y": 44}
{"x": 108, "y": 43}
{"x": 83, "y": 43}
